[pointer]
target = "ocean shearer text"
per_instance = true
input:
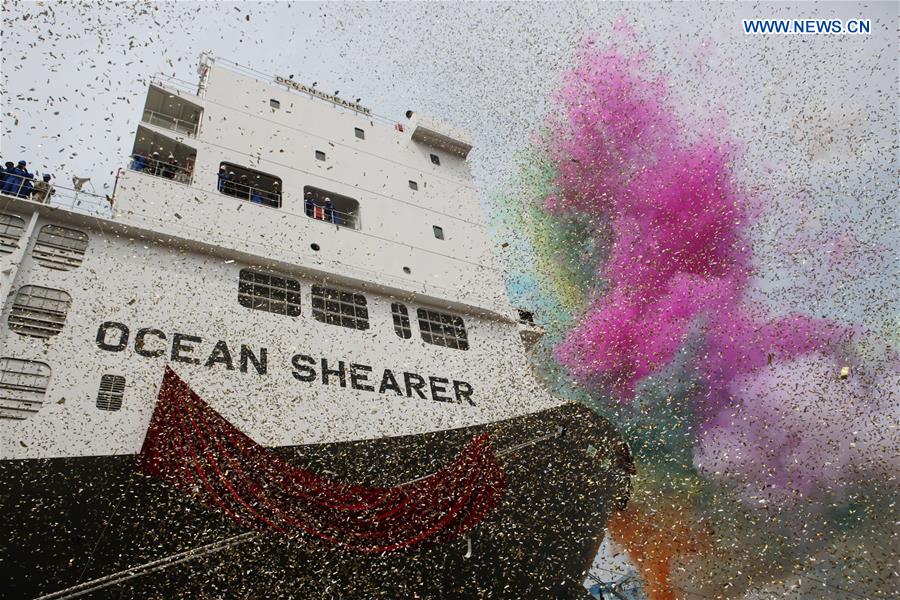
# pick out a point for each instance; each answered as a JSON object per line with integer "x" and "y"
{"x": 150, "y": 342}
{"x": 807, "y": 26}
{"x": 329, "y": 97}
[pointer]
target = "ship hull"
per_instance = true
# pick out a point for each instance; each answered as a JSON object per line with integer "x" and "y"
{"x": 83, "y": 519}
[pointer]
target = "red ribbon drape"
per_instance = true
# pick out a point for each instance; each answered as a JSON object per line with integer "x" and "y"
{"x": 191, "y": 446}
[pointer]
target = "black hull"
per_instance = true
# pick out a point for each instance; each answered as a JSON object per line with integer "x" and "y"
{"x": 73, "y": 520}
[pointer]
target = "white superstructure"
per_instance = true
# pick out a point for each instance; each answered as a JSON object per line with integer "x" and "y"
{"x": 403, "y": 327}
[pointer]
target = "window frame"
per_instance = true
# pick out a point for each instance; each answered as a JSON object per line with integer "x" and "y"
{"x": 321, "y": 156}
{"x": 8, "y": 243}
{"x": 22, "y": 317}
{"x": 413, "y": 185}
{"x": 291, "y": 299}
{"x": 13, "y": 390}
{"x": 337, "y": 313}
{"x": 53, "y": 254}
{"x": 402, "y": 324}
{"x": 447, "y": 330}
{"x": 274, "y": 103}
{"x": 359, "y": 132}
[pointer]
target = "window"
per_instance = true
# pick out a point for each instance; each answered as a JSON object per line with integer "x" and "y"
{"x": 248, "y": 184}
{"x": 112, "y": 388}
{"x": 435, "y": 159}
{"x": 360, "y": 134}
{"x": 438, "y": 232}
{"x": 261, "y": 291}
{"x": 11, "y": 228}
{"x": 337, "y": 307}
{"x": 60, "y": 248}
{"x": 413, "y": 185}
{"x": 401, "y": 320}
{"x": 274, "y": 103}
{"x": 320, "y": 155}
{"x": 329, "y": 207}
{"x": 442, "y": 329}
{"x": 23, "y": 384}
{"x": 39, "y": 311}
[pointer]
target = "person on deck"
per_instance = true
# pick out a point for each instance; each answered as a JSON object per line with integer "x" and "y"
{"x": 243, "y": 187}
{"x": 275, "y": 194}
{"x": 155, "y": 164}
{"x": 229, "y": 186}
{"x": 222, "y": 178}
{"x": 328, "y": 211}
{"x": 24, "y": 180}
{"x": 7, "y": 176}
{"x": 309, "y": 205}
{"x": 138, "y": 162}
{"x": 43, "y": 190}
{"x": 170, "y": 167}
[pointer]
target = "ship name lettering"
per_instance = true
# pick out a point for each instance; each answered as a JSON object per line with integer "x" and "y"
{"x": 150, "y": 343}
{"x": 336, "y": 373}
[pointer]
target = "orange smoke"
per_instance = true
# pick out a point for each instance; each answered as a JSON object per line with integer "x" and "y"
{"x": 652, "y": 541}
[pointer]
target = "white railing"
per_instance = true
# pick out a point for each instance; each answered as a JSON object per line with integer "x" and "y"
{"x": 58, "y": 196}
{"x": 332, "y": 215}
{"x": 245, "y": 191}
{"x": 168, "y": 81}
{"x": 169, "y": 122}
{"x": 160, "y": 168}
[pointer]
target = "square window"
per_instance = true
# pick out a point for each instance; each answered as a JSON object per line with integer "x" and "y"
{"x": 413, "y": 185}
{"x": 337, "y": 307}
{"x": 438, "y": 232}
{"x": 360, "y": 134}
{"x": 320, "y": 155}
{"x": 274, "y": 103}
{"x": 262, "y": 291}
{"x": 435, "y": 159}
{"x": 442, "y": 329}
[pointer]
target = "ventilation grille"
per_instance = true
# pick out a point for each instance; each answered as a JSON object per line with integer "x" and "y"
{"x": 112, "y": 388}
{"x": 39, "y": 311}
{"x": 11, "y": 228}
{"x": 60, "y": 248}
{"x": 23, "y": 384}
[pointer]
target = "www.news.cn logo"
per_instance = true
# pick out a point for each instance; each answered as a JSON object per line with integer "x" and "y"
{"x": 807, "y": 26}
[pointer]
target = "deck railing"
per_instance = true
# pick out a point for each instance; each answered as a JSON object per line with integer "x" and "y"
{"x": 160, "y": 168}
{"x": 184, "y": 126}
{"x": 58, "y": 196}
{"x": 246, "y": 191}
{"x": 332, "y": 215}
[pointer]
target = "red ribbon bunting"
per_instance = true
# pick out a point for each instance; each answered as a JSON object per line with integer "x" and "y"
{"x": 191, "y": 446}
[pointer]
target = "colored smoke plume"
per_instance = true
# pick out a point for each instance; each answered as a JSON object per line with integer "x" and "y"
{"x": 745, "y": 436}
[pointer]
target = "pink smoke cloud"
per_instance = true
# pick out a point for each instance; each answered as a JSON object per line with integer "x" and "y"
{"x": 801, "y": 432}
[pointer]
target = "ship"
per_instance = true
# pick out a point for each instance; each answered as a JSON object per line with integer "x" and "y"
{"x": 287, "y": 316}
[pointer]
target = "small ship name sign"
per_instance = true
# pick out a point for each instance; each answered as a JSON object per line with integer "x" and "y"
{"x": 318, "y": 94}
{"x": 150, "y": 342}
